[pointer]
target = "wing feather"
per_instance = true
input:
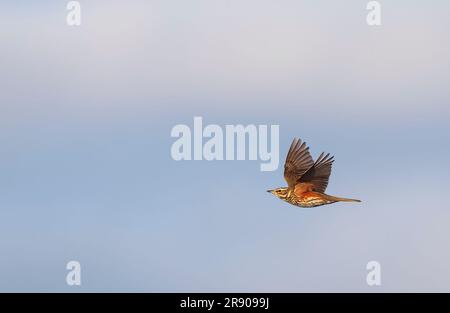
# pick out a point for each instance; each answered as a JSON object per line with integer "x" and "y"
{"x": 298, "y": 162}
{"x": 319, "y": 174}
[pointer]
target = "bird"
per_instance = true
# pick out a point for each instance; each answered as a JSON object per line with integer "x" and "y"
{"x": 306, "y": 179}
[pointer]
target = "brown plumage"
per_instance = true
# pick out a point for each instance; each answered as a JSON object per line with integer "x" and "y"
{"x": 306, "y": 179}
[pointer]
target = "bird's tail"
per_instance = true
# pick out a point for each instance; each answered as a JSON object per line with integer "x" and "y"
{"x": 331, "y": 198}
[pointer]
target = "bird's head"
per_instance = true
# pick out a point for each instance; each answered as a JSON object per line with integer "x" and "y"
{"x": 281, "y": 192}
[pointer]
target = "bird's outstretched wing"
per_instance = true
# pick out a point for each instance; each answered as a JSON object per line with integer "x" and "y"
{"x": 319, "y": 174}
{"x": 298, "y": 162}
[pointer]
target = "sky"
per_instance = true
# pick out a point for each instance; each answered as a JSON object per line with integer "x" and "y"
{"x": 86, "y": 115}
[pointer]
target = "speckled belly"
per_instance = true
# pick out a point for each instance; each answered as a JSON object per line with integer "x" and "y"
{"x": 310, "y": 201}
{"x": 313, "y": 203}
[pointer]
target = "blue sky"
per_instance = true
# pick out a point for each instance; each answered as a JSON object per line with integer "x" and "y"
{"x": 85, "y": 121}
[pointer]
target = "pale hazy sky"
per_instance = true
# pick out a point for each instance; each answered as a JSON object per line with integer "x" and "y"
{"x": 86, "y": 173}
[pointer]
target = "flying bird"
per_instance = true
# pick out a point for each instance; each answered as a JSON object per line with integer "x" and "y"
{"x": 306, "y": 179}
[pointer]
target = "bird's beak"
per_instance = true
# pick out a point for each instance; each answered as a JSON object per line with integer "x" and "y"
{"x": 269, "y": 190}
